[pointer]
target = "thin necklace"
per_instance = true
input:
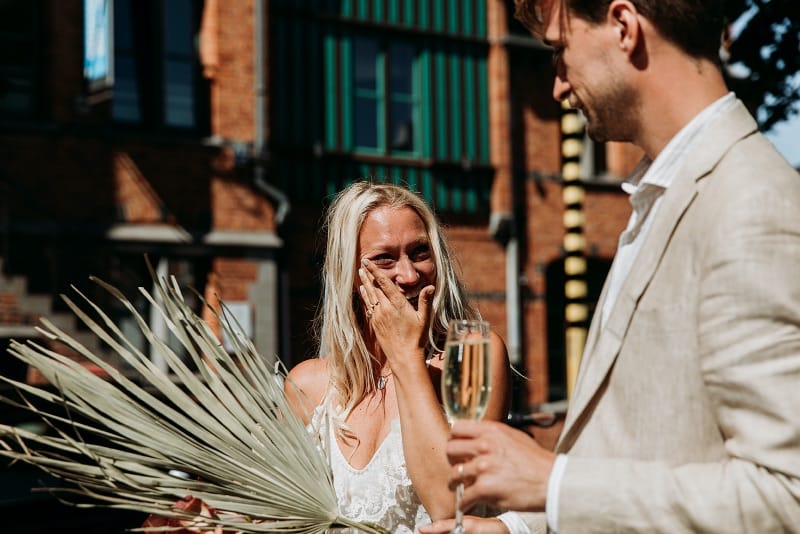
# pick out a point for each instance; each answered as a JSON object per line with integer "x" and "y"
{"x": 383, "y": 379}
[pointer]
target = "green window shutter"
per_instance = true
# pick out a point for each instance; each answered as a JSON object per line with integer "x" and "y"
{"x": 440, "y": 104}
{"x": 483, "y": 109}
{"x": 424, "y": 10}
{"x": 470, "y": 109}
{"x": 452, "y": 15}
{"x": 456, "y": 113}
{"x": 346, "y": 116}
{"x": 480, "y": 19}
{"x": 331, "y": 77}
{"x": 438, "y": 15}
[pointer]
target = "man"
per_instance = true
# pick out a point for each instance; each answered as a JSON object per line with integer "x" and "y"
{"x": 686, "y": 412}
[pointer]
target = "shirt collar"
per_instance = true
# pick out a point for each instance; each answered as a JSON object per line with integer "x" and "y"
{"x": 661, "y": 171}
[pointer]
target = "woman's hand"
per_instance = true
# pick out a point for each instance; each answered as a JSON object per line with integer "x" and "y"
{"x": 191, "y": 505}
{"x": 399, "y": 327}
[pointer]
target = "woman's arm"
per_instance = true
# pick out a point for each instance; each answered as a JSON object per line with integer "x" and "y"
{"x": 402, "y": 333}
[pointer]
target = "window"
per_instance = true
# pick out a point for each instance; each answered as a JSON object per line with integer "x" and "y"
{"x": 158, "y": 82}
{"x": 19, "y": 51}
{"x": 385, "y": 97}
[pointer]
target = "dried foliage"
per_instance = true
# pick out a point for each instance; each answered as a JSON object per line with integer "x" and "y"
{"x": 125, "y": 440}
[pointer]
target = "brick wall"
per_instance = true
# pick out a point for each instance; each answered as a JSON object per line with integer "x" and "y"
{"x": 72, "y": 172}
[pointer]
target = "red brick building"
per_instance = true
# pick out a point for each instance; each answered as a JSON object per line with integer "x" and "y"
{"x": 229, "y": 124}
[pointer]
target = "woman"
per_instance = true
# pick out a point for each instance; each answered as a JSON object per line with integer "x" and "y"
{"x": 389, "y": 292}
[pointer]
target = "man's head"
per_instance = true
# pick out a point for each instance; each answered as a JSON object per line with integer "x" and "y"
{"x": 695, "y": 26}
{"x": 615, "y": 60}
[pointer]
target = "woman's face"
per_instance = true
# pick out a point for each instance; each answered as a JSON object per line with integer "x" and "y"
{"x": 395, "y": 240}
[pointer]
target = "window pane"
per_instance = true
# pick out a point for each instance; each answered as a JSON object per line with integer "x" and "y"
{"x": 401, "y": 98}
{"x": 366, "y": 122}
{"x": 17, "y": 17}
{"x": 125, "y": 104}
{"x": 17, "y": 57}
{"x": 178, "y": 27}
{"x": 179, "y": 94}
{"x": 401, "y": 135}
{"x": 365, "y": 53}
{"x": 123, "y": 31}
{"x": 401, "y": 61}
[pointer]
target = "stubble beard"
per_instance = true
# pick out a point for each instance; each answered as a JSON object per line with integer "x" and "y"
{"x": 614, "y": 118}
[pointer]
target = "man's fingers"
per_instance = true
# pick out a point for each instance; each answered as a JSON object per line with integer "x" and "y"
{"x": 472, "y": 524}
{"x": 468, "y": 429}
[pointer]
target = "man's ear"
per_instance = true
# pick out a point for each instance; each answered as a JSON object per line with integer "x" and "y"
{"x": 624, "y": 19}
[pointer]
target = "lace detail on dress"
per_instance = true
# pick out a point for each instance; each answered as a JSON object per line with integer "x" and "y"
{"x": 381, "y": 492}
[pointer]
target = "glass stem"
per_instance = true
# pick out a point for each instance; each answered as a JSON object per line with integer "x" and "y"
{"x": 458, "y": 528}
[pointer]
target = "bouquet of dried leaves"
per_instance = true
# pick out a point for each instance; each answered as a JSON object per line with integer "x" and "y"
{"x": 128, "y": 440}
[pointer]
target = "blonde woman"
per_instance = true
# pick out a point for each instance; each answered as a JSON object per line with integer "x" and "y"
{"x": 390, "y": 289}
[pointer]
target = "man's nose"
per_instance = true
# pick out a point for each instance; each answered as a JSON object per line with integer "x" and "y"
{"x": 561, "y": 88}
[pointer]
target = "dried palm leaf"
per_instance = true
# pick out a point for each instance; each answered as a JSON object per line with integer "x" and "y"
{"x": 129, "y": 443}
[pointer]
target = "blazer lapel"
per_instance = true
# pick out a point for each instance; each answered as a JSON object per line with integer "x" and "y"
{"x": 604, "y": 341}
{"x": 599, "y": 358}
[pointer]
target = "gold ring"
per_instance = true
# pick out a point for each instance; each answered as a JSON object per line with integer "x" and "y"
{"x": 369, "y": 314}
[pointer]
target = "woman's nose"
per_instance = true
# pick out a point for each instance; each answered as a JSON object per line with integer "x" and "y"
{"x": 405, "y": 273}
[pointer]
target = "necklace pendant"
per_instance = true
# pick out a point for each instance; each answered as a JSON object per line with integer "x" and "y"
{"x": 381, "y": 382}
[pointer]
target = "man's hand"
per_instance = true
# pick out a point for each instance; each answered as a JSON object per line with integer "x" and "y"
{"x": 472, "y": 525}
{"x": 498, "y": 465}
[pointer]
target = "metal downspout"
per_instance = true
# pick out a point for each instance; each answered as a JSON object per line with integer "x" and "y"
{"x": 260, "y": 137}
{"x": 283, "y": 206}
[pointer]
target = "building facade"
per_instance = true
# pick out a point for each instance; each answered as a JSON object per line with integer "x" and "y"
{"x": 209, "y": 135}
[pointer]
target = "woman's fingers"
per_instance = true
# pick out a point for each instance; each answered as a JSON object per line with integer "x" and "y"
{"x": 368, "y": 292}
{"x": 381, "y": 283}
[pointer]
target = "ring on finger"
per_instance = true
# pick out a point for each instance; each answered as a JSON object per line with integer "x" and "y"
{"x": 460, "y": 469}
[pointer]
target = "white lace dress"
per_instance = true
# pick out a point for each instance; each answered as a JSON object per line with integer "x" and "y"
{"x": 381, "y": 492}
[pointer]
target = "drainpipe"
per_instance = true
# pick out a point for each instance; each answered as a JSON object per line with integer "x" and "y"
{"x": 282, "y": 204}
{"x": 260, "y": 139}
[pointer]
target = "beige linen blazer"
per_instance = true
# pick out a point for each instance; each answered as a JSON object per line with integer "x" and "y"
{"x": 686, "y": 412}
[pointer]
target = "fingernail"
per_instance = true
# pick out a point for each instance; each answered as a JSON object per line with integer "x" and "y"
{"x": 361, "y": 272}
{"x": 364, "y": 261}
{"x": 362, "y": 290}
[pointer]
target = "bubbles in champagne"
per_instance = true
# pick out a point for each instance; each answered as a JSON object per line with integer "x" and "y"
{"x": 466, "y": 382}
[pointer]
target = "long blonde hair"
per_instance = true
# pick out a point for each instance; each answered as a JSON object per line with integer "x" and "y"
{"x": 340, "y": 320}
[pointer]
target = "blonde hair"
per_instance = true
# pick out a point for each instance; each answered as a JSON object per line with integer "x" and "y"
{"x": 340, "y": 320}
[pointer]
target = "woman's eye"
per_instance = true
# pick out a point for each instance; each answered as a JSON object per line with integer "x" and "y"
{"x": 383, "y": 261}
{"x": 421, "y": 254}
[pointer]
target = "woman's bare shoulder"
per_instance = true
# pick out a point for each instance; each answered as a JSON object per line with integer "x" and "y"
{"x": 311, "y": 377}
{"x": 499, "y": 351}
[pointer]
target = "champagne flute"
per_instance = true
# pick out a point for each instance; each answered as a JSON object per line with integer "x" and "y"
{"x": 466, "y": 380}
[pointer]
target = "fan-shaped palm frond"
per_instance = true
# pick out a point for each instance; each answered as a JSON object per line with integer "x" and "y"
{"x": 128, "y": 442}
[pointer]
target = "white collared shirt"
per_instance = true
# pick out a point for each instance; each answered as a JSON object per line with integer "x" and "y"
{"x": 646, "y": 187}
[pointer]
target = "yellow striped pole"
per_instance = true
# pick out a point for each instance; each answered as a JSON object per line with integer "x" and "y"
{"x": 576, "y": 311}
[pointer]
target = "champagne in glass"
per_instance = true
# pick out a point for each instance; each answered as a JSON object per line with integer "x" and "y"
{"x": 466, "y": 380}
